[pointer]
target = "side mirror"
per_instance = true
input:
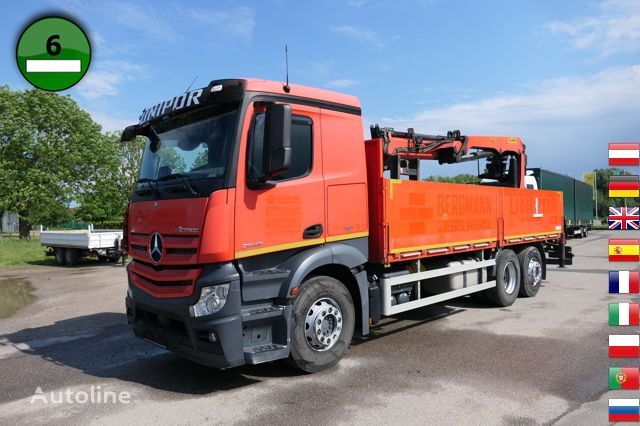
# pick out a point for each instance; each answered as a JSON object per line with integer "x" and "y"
{"x": 129, "y": 133}
{"x": 277, "y": 140}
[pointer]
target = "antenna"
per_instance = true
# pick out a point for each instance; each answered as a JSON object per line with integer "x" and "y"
{"x": 286, "y": 87}
{"x": 192, "y": 81}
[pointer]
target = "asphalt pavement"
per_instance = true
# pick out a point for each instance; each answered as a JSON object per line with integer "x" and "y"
{"x": 542, "y": 360}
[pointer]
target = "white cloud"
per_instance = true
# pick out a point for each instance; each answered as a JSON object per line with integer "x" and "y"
{"x": 143, "y": 19}
{"x": 239, "y": 21}
{"x": 105, "y": 78}
{"x": 359, "y": 34}
{"x": 341, "y": 83}
{"x": 565, "y": 122}
{"x": 615, "y": 29}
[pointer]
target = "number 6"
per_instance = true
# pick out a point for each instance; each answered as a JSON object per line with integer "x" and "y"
{"x": 53, "y": 47}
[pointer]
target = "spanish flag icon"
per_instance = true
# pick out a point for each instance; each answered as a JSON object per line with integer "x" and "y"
{"x": 624, "y": 250}
{"x": 624, "y": 186}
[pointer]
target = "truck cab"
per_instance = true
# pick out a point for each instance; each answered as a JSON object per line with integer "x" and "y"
{"x": 223, "y": 209}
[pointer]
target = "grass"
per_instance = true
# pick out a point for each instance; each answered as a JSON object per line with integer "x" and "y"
{"x": 16, "y": 252}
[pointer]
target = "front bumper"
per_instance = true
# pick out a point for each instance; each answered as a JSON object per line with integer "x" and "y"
{"x": 243, "y": 333}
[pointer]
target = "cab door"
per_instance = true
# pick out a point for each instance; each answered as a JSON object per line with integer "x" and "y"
{"x": 290, "y": 214}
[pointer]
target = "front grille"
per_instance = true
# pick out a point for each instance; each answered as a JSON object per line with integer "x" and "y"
{"x": 177, "y": 249}
{"x": 164, "y": 283}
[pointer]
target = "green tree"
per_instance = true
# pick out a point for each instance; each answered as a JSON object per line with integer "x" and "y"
{"x": 602, "y": 186}
{"x": 461, "y": 178}
{"x": 106, "y": 197}
{"x": 50, "y": 149}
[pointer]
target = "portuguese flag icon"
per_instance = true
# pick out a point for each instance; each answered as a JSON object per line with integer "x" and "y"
{"x": 624, "y": 346}
{"x": 624, "y": 314}
{"x": 624, "y": 378}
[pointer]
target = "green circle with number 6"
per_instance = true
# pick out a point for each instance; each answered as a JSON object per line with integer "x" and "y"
{"x": 53, "y": 53}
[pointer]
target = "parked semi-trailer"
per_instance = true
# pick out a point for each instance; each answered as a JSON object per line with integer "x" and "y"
{"x": 577, "y": 198}
{"x": 264, "y": 226}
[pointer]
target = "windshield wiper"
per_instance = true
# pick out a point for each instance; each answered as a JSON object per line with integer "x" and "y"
{"x": 186, "y": 179}
{"x": 142, "y": 191}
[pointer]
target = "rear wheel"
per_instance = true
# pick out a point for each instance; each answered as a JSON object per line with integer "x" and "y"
{"x": 531, "y": 267}
{"x": 59, "y": 255}
{"x": 507, "y": 279}
{"x": 322, "y": 324}
{"x": 71, "y": 256}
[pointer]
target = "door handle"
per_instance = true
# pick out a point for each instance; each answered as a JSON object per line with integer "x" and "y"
{"x": 313, "y": 231}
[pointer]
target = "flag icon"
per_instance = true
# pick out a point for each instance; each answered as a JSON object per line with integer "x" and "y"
{"x": 624, "y": 154}
{"x": 624, "y": 282}
{"x": 624, "y": 410}
{"x": 624, "y": 186}
{"x": 624, "y": 346}
{"x": 624, "y": 250}
{"x": 624, "y": 314}
{"x": 622, "y": 218}
{"x": 624, "y": 378}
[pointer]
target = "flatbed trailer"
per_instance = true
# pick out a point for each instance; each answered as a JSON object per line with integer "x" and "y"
{"x": 69, "y": 247}
{"x": 298, "y": 232}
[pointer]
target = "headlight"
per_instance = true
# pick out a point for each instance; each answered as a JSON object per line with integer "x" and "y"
{"x": 212, "y": 299}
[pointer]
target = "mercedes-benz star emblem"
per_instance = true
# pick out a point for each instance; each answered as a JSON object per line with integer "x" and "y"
{"x": 155, "y": 247}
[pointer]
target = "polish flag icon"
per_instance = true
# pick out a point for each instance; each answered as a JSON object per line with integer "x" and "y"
{"x": 624, "y": 346}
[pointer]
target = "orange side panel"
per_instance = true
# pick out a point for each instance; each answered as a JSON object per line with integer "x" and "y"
{"x": 430, "y": 218}
{"x": 531, "y": 214}
{"x": 347, "y": 212}
{"x": 345, "y": 176}
{"x": 217, "y": 235}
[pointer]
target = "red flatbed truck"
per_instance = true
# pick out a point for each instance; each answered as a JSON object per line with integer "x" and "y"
{"x": 265, "y": 227}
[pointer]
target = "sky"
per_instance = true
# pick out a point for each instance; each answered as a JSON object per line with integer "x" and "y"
{"x": 562, "y": 75}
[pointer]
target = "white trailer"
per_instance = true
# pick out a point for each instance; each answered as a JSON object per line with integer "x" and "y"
{"x": 69, "y": 247}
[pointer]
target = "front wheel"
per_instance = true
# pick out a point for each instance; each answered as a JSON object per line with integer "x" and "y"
{"x": 507, "y": 279}
{"x": 322, "y": 324}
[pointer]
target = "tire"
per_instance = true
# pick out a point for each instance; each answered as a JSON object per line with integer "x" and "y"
{"x": 586, "y": 232}
{"x": 531, "y": 265}
{"x": 335, "y": 319}
{"x": 71, "y": 256}
{"x": 59, "y": 256}
{"x": 507, "y": 279}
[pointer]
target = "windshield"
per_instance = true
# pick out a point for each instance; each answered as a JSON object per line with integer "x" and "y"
{"x": 195, "y": 145}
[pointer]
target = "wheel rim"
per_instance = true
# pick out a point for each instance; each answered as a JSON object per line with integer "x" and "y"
{"x": 534, "y": 270}
{"x": 509, "y": 278}
{"x": 323, "y": 324}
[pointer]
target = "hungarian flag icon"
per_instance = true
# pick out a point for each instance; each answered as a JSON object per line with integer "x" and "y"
{"x": 624, "y": 410}
{"x": 624, "y": 282}
{"x": 624, "y": 154}
{"x": 624, "y": 314}
{"x": 624, "y": 250}
{"x": 624, "y": 186}
{"x": 624, "y": 346}
{"x": 624, "y": 378}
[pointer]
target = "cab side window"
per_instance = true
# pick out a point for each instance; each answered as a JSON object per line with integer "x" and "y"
{"x": 301, "y": 148}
